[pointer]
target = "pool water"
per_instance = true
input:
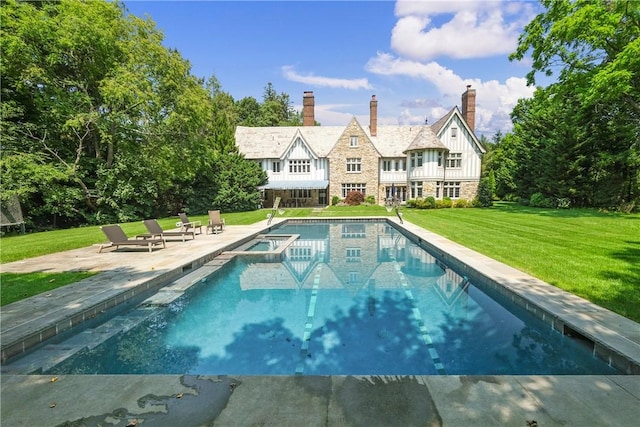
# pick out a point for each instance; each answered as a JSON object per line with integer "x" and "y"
{"x": 348, "y": 298}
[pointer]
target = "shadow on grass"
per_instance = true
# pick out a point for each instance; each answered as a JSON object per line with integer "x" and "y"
{"x": 511, "y": 207}
{"x": 627, "y": 295}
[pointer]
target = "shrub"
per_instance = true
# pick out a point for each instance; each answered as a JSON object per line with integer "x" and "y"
{"x": 335, "y": 200}
{"x": 627, "y": 207}
{"x": 444, "y": 203}
{"x": 411, "y": 203}
{"x": 461, "y": 203}
{"x": 430, "y": 202}
{"x": 485, "y": 197}
{"x": 370, "y": 200}
{"x": 421, "y": 204}
{"x": 538, "y": 200}
{"x": 354, "y": 198}
{"x": 563, "y": 203}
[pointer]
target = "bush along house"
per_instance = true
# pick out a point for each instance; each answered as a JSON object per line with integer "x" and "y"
{"x": 310, "y": 165}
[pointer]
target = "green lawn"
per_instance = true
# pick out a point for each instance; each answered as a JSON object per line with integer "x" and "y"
{"x": 591, "y": 254}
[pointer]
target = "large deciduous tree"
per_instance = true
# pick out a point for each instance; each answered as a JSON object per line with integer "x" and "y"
{"x": 579, "y": 138}
{"x": 100, "y": 122}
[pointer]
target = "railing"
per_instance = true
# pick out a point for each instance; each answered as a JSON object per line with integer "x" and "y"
{"x": 394, "y": 203}
{"x": 276, "y": 204}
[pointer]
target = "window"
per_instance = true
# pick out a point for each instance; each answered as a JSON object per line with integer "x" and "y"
{"x": 275, "y": 167}
{"x": 299, "y": 166}
{"x": 454, "y": 160}
{"x": 416, "y": 160}
{"x": 450, "y": 189}
{"x": 346, "y": 188}
{"x": 354, "y": 277}
{"x": 353, "y": 231}
{"x": 401, "y": 165}
{"x": 416, "y": 189}
{"x": 354, "y": 255}
{"x": 300, "y": 193}
{"x": 454, "y": 132}
{"x": 259, "y": 162}
{"x": 386, "y": 165}
{"x": 299, "y": 253}
{"x": 439, "y": 158}
{"x": 353, "y": 141}
{"x": 354, "y": 165}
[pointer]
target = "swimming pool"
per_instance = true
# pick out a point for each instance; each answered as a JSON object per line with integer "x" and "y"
{"x": 343, "y": 298}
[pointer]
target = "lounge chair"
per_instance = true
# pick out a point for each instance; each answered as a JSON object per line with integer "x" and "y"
{"x": 118, "y": 238}
{"x": 186, "y": 224}
{"x": 155, "y": 231}
{"x": 216, "y": 224}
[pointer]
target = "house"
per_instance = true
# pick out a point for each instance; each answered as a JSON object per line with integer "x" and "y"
{"x": 307, "y": 165}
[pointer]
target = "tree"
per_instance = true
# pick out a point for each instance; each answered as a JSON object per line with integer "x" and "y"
{"x": 276, "y": 109}
{"x": 93, "y": 103}
{"x": 248, "y": 110}
{"x": 580, "y": 137}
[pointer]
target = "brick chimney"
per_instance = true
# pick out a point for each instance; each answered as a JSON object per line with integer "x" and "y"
{"x": 373, "y": 116}
{"x": 308, "y": 103}
{"x": 469, "y": 107}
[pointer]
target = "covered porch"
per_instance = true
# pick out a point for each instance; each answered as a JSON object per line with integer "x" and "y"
{"x": 295, "y": 194}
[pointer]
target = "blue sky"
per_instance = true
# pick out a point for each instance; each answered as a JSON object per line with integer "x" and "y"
{"x": 416, "y": 56}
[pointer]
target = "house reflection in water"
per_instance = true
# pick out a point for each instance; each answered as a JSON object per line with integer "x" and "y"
{"x": 356, "y": 257}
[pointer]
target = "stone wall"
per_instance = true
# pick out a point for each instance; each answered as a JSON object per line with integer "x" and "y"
{"x": 338, "y": 162}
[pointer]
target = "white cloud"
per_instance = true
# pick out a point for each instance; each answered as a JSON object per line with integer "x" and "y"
{"x": 311, "y": 79}
{"x": 458, "y": 29}
{"x": 494, "y": 101}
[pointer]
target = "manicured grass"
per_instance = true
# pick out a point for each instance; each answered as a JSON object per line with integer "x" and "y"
{"x": 591, "y": 254}
{"x": 16, "y": 286}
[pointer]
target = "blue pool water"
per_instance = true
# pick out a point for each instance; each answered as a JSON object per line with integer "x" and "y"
{"x": 347, "y": 298}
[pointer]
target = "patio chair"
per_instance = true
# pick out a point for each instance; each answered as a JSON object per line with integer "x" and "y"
{"x": 118, "y": 238}
{"x": 186, "y": 224}
{"x": 216, "y": 224}
{"x": 154, "y": 231}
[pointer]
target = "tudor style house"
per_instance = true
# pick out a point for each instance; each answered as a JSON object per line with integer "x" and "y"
{"x": 308, "y": 165}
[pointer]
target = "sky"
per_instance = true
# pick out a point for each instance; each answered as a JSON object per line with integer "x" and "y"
{"x": 417, "y": 57}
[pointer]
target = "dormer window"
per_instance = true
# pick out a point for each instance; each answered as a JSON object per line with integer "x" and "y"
{"x": 353, "y": 141}
{"x": 454, "y": 132}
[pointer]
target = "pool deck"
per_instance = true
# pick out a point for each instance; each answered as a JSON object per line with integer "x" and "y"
{"x": 174, "y": 400}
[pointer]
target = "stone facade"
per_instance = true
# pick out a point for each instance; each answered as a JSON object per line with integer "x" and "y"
{"x": 468, "y": 190}
{"x": 369, "y": 161}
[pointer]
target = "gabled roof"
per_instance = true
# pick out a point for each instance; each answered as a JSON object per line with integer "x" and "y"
{"x": 365, "y": 131}
{"x": 273, "y": 142}
{"x": 441, "y": 124}
{"x": 437, "y": 126}
{"x": 426, "y": 139}
{"x": 390, "y": 141}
